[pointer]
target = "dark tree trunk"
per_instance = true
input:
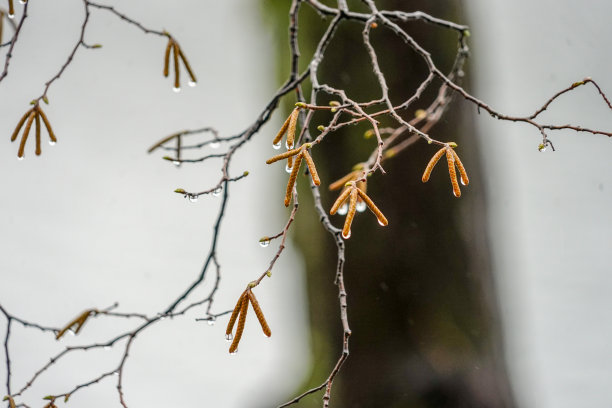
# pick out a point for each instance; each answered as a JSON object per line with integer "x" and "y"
{"x": 421, "y": 300}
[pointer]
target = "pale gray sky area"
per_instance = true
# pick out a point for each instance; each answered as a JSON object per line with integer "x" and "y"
{"x": 549, "y": 213}
{"x": 94, "y": 221}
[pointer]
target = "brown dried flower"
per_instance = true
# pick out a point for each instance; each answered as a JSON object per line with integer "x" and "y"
{"x": 353, "y": 193}
{"x": 10, "y": 400}
{"x": 33, "y": 115}
{"x": 452, "y": 160}
{"x": 174, "y": 48}
{"x": 78, "y": 322}
{"x": 239, "y": 313}
{"x": 299, "y": 153}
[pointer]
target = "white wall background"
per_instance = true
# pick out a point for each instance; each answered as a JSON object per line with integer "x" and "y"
{"x": 94, "y": 219}
{"x": 549, "y": 213}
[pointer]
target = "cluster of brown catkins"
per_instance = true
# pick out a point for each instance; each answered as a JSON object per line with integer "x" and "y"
{"x": 34, "y": 115}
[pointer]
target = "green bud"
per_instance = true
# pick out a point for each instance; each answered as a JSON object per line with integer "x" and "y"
{"x": 246, "y": 173}
{"x": 320, "y": 128}
{"x": 180, "y": 191}
{"x": 45, "y": 99}
{"x": 96, "y": 46}
{"x": 269, "y": 274}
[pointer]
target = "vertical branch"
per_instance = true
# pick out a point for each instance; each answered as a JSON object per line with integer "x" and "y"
{"x": 9, "y": 53}
{"x": 7, "y": 356}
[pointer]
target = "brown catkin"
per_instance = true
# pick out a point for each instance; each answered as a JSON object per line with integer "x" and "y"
{"x": 1, "y": 23}
{"x": 292, "y": 125}
{"x": 464, "y": 177}
{"x": 259, "y": 314}
{"x": 187, "y": 66}
{"x": 167, "y": 58}
{"x": 312, "y": 168}
{"x": 346, "y": 231}
{"x": 80, "y": 320}
{"x": 26, "y": 132}
{"x": 47, "y": 124}
{"x": 282, "y": 131}
{"x": 232, "y": 320}
{"x": 37, "y": 128}
{"x": 341, "y": 182}
{"x": 382, "y": 220}
{"x": 241, "y": 321}
{"x": 340, "y": 200}
{"x": 11, "y": 8}
{"x": 282, "y": 156}
{"x": 451, "y": 172}
{"x": 431, "y": 164}
{"x": 177, "y": 73}
{"x": 292, "y": 179}
{"x": 20, "y": 124}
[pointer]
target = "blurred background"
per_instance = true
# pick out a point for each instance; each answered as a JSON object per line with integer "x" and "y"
{"x": 499, "y": 299}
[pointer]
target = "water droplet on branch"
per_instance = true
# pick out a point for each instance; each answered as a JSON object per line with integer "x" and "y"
{"x": 229, "y": 337}
{"x": 192, "y": 83}
{"x": 51, "y": 143}
{"x": 211, "y": 321}
{"x": 276, "y": 146}
{"x": 361, "y": 206}
{"x": 264, "y": 242}
{"x": 214, "y": 145}
{"x": 217, "y": 191}
{"x": 288, "y": 169}
{"x": 177, "y": 90}
{"x": 193, "y": 198}
{"x": 343, "y": 209}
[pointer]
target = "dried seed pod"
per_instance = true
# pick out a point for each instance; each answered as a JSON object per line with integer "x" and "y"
{"x": 340, "y": 200}
{"x": 1, "y": 24}
{"x": 282, "y": 130}
{"x": 259, "y": 314}
{"x": 78, "y": 322}
{"x": 464, "y": 177}
{"x": 187, "y": 66}
{"x": 10, "y": 400}
{"x": 177, "y": 72}
{"x": 452, "y": 173}
{"x": 342, "y": 181}
{"x": 312, "y": 168}
{"x": 346, "y": 231}
{"x": 20, "y": 124}
{"x": 282, "y": 156}
{"x": 241, "y": 321}
{"x": 167, "y": 57}
{"x": 234, "y": 316}
{"x": 382, "y": 220}
{"x": 47, "y": 124}
{"x": 292, "y": 178}
{"x": 432, "y": 163}
{"x": 26, "y": 132}
{"x": 37, "y": 127}
{"x": 292, "y": 126}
